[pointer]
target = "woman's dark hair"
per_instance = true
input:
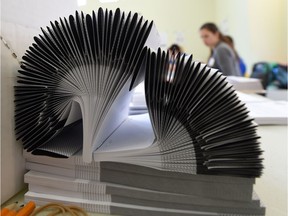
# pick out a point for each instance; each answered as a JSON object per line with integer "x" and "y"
{"x": 214, "y": 29}
{"x": 230, "y": 42}
{"x": 175, "y": 48}
{"x": 210, "y": 27}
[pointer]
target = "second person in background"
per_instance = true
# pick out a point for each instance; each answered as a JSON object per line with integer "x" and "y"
{"x": 222, "y": 56}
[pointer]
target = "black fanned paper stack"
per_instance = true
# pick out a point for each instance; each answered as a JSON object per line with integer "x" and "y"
{"x": 196, "y": 152}
{"x": 87, "y": 63}
{"x": 199, "y": 123}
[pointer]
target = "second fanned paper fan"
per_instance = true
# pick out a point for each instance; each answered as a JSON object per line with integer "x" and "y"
{"x": 199, "y": 122}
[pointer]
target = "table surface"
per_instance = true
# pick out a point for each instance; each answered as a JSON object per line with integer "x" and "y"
{"x": 271, "y": 187}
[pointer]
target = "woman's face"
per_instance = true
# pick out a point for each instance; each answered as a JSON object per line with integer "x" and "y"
{"x": 209, "y": 38}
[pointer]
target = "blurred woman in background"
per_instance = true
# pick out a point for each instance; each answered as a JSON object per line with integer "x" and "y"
{"x": 222, "y": 56}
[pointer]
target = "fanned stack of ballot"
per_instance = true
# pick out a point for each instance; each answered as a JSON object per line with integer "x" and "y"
{"x": 196, "y": 151}
{"x": 80, "y": 70}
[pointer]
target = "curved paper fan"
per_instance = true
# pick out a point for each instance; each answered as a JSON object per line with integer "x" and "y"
{"x": 199, "y": 123}
{"x": 81, "y": 67}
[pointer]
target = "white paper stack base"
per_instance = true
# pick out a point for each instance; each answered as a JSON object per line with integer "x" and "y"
{"x": 95, "y": 196}
{"x": 131, "y": 210}
{"x": 124, "y": 189}
{"x": 244, "y": 208}
{"x": 49, "y": 184}
{"x": 231, "y": 188}
{"x": 78, "y": 188}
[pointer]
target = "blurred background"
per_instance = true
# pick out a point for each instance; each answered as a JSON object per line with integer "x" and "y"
{"x": 258, "y": 27}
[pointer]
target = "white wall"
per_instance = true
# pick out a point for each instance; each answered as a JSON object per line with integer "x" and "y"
{"x": 178, "y": 20}
{"x": 259, "y": 27}
{"x": 268, "y": 30}
{"x": 12, "y": 163}
{"x": 232, "y": 17}
{"x": 20, "y": 21}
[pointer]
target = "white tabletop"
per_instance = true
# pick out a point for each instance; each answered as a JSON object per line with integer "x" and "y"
{"x": 272, "y": 186}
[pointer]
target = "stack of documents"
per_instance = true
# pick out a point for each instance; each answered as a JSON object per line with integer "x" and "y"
{"x": 126, "y": 189}
{"x": 196, "y": 151}
{"x": 247, "y": 85}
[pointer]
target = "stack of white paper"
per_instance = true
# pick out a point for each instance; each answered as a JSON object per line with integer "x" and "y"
{"x": 247, "y": 85}
{"x": 123, "y": 189}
